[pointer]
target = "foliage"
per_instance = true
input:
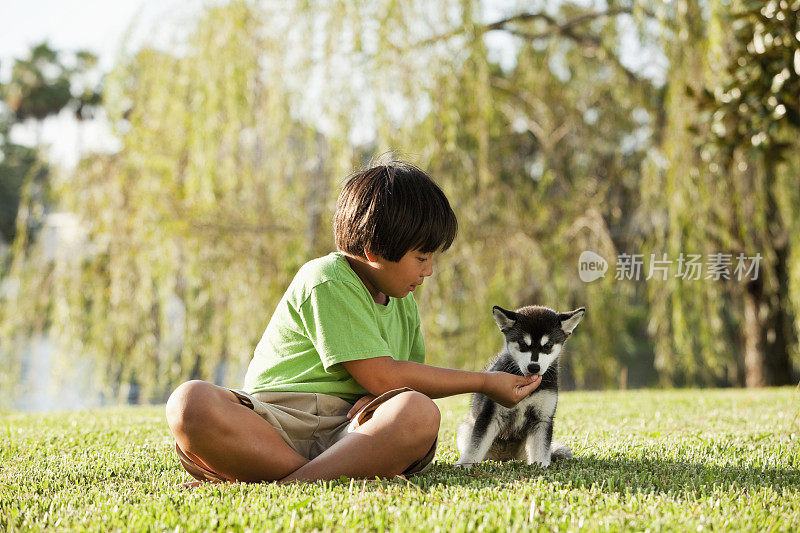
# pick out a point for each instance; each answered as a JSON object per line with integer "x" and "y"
{"x": 724, "y": 137}
{"x": 42, "y": 84}
{"x": 235, "y": 140}
{"x": 17, "y": 161}
{"x": 39, "y": 86}
{"x": 757, "y": 98}
{"x": 713, "y": 459}
{"x": 222, "y": 189}
{"x": 686, "y": 319}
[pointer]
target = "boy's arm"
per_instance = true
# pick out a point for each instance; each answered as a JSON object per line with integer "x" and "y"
{"x": 380, "y": 374}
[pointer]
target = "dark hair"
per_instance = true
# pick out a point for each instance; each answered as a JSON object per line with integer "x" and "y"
{"x": 392, "y": 208}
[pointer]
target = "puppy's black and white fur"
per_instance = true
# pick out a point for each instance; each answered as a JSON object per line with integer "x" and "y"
{"x": 534, "y": 338}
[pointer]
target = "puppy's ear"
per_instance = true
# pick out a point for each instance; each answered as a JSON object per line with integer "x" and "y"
{"x": 571, "y": 319}
{"x": 505, "y": 319}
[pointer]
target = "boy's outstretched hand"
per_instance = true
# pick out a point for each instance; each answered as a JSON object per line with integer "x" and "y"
{"x": 509, "y": 389}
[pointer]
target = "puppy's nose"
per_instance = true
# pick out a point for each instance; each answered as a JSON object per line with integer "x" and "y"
{"x": 533, "y": 368}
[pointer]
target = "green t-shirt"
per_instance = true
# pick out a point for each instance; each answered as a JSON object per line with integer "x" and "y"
{"x": 326, "y": 317}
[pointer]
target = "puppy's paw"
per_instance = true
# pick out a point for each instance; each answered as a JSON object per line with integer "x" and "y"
{"x": 464, "y": 466}
{"x": 540, "y": 464}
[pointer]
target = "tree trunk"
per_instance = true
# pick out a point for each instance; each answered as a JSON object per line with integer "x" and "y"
{"x": 767, "y": 324}
{"x": 779, "y": 334}
{"x": 754, "y": 335}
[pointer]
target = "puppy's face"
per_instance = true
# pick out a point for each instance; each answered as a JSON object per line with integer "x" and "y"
{"x": 535, "y": 335}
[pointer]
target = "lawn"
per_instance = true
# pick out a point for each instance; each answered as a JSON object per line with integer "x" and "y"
{"x": 657, "y": 460}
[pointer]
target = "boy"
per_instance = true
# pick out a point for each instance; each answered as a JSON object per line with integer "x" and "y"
{"x": 338, "y": 385}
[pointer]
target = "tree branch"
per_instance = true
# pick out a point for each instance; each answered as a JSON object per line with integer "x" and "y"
{"x": 577, "y": 21}
{"x": 501, "y": 25}
{"x": 566, "y": 29}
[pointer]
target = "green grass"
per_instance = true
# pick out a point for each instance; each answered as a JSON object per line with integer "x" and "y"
{"x": 658, "y": 460}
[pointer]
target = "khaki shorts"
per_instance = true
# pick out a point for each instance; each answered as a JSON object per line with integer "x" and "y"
{"x": 309, "y": 423}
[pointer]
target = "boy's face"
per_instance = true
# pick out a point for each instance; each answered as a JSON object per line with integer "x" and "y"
{"x": 400, "y": 278}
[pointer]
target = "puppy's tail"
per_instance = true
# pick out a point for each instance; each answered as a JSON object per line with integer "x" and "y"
{"x": 559, "y": 451}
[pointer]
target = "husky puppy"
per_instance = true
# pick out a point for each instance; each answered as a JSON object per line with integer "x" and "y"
{"x": 534, "y": 338}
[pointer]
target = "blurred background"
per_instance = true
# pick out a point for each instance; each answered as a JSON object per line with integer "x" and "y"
{"x": 165, "y": 169}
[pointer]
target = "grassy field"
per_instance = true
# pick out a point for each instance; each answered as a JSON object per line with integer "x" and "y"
{"x": 657, "y": 460}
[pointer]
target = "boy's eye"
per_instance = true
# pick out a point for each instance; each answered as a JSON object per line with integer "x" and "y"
{"x": 422, "y": 259}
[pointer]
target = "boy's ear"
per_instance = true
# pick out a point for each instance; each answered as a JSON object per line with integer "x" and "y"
{"x": 371, "y": 257}
{"x": 571, "y": 319}
{"x": 505, "y": 319}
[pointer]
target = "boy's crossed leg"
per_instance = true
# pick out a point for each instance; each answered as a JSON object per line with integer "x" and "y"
{"x": 401, "y": 431}
{"x": 217, "y": 432}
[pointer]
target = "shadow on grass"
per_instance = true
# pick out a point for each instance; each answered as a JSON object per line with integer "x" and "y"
{"x": 621, "y": 475}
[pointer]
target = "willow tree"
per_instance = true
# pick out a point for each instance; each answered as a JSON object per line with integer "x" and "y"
{"x": 529, "y": 158}
{"x": 705, "y": 200}
{"x": 685, "y": 314}
{"x": 194, "y": 226}
{"x": 234, "y": 145}
{"x": 755, "y": 116}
